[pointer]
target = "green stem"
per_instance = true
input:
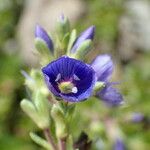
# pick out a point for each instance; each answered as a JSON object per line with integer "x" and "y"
{"x": 49, "y": 139}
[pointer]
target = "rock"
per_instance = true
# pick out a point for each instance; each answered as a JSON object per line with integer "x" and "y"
{"x": 134, "y": 29}
{"x": 45, "y": 13}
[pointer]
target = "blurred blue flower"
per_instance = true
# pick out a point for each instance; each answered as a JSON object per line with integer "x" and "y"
{"x": 119, "y": 145}
{"x": 42, "y": 34}
{"x": 69, "y": 79}
{"x": 103, "y": 67}
{"x": 88, "y": 34}
{"x": 110, "y": 95}
{"x": 137, "y": 117}
{"x": 62, "y": 18}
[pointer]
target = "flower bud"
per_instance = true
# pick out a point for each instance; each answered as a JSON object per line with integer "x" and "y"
{"x": 43, "y": 41}
{"x": 110, "y": 96}
{"x": 83, "y": 49}
{"x": 88, "y": 34}
{"x": 62, "y": 27}
{"x": 119, "y": 145}
{"x": 137, "y": 117}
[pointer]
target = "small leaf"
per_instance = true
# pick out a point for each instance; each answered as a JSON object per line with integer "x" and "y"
{"x": 40, "y": 141}
{"x": 60, "y": 122}
{"x": 43, "y": 109}
{"x": 29, "y": 108}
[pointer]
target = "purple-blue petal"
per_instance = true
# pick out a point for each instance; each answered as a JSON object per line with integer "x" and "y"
{"x": 110, "y": 96}
{"x": 119, "y": 145}
{"x": 88, "y": 34}
{"x": 103, "y": 67}
{"x": 42, "y": 34}
{"x": 62, "y": 18}
{"x": 67, "y": 68}
{"x": 137, "y": 117}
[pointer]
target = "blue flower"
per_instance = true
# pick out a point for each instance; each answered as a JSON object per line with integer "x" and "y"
{"x": 119, "y": 145}
{"x": 110, "y": 95}
{"x": 88, "y": 34}
{"x": 42, "y": 34}
{"x": 137, "y": 117}
{"x": 103, "y": 67}
{"x": 70, "y": 79}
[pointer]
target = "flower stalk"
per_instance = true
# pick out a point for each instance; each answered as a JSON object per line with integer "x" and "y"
{"x": 62, "y": 143}
{"x": 49, "y": 138}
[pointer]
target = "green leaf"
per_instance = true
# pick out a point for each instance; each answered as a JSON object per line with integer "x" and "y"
{"x": 43, "y": 109}
{"x": 28, "y": 107}
{"x": 40, "y": 141}
{"x": 60, "y": 122}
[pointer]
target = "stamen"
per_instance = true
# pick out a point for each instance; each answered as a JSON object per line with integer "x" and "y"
{"x": 74, "y": 90}
{"x": 58, "y": 77}
{"x": 75, "y": 77}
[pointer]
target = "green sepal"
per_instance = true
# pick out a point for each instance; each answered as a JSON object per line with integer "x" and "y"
{"x": 41, "y": 46}
{"x": 98, "y": 86}
{"x": 60, "y": 122}
{"x": 82, "y": 50}
{"x": 45, "y": 53}
{"x": 72, "y": 39}
{"x": 40, "y": 141}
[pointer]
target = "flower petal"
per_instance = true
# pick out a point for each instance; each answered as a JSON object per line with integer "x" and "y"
{"x": 68, "y": 69}
{"x": 137, "y": 117}
{"x": 42, "y": 34}
{"x": 87, "y": 34}
{"x": 110, "y": 95}
{"x": 103, "y": 67}
{"x": 119, "y": 145}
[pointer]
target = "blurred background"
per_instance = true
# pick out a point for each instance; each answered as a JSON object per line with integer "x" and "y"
{"x": 122, "y": 30}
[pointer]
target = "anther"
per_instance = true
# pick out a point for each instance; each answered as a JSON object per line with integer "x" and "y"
{"x": 58, "y": 77}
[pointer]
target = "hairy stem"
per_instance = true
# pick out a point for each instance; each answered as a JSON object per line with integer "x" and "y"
{"x": 62, "y": 144}
{"x": 50, "y": 139}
